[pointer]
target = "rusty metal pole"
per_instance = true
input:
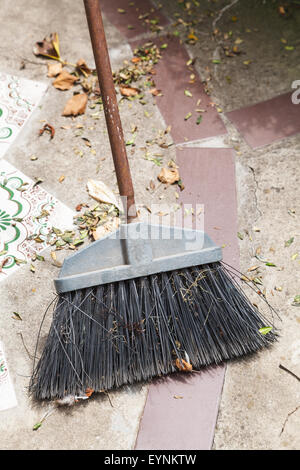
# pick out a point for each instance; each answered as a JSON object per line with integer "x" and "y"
{"x": 108, "y": 94}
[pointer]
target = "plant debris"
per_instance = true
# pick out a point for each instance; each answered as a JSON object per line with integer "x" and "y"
{"x": 54, "y": 69}
{"x": 76, "y": 105}
{"x": 64, "y": 81}
{"x": 47, "y": 127}
{"x": 169, "y": 175}
{"x": 48, "y": 47}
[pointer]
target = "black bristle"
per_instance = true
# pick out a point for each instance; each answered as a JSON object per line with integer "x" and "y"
{"x": 115, "y": 334}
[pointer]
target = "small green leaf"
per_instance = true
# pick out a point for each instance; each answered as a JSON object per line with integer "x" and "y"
{"x": 37, "y": 426}
{"x": 188, "y": 116}
{"x": 289, "y": 48}
{"x": 77, "y": 241}
{"x": 270, "y": 264}
{"x": 216, "y": 61}
{"x": 296, "y": 301}
{"x": 164, "y": 46}
{"x": 199, "y": 120}
{"x": 188, "y": 93}
{"x": 289, "y": 242}
{"x": 241, "y": 237}
{"x": 265, "y": 330}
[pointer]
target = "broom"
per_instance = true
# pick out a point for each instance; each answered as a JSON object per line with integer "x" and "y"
{"x": 145, "y": 301}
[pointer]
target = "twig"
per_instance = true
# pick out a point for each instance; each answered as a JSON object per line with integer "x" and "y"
{"x": 289, "y": 371}
{"x": 107, "y": 394}
{"x": 286, "y": 419}
{"x": 29, "y": 355}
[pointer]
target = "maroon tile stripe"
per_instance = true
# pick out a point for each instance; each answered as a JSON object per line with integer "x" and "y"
{"x": 208, "y": 176}
{"x": 188, "y": 423}
{"x": 268, "y": 121}
{"x": 132, "y": 16}
{"x": 173, "y": 79}
{"x": 180, "y": 412}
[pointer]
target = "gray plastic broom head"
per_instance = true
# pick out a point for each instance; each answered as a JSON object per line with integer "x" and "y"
{"x": 135, "y": 250}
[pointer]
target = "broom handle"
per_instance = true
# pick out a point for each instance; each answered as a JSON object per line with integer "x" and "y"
{"x": 108, "y": 93}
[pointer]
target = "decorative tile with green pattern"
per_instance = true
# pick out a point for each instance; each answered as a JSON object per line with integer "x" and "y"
{"x": 27, "y": 214}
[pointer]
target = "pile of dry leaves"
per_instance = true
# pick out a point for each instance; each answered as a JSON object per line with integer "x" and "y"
{"x": 67, "y": 75}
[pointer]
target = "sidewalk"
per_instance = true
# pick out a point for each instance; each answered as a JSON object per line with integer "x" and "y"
{"x": 239, "y": 161}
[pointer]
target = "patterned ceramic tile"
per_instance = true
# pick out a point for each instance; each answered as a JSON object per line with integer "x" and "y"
{"x": 18, "y": 98}
{"x": 27, "y": 213}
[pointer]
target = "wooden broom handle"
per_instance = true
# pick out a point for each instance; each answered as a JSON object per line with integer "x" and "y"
{"x": 110, "y": 104}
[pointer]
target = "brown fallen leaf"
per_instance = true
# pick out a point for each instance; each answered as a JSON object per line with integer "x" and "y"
{"x": 61, "y": 178}
{"x": 127, "y": 90}
{"x": 54, "y": 68}
{"x": 48, "y": 47}
{"x": 102, "y": 193}
{"x": 82, "y": 67}
{"x": 47, "y": 127}
{"x": 89, "y": 392}
{"x": 64, "y": 81}
{"x": 103, "y": 230}
{"x": 184, "y": 366}
{"x": 75, "y": 105}
{"x": 169, "y": 175}
{"x": 155, "y": 92}
{"x": 3, "y": 263}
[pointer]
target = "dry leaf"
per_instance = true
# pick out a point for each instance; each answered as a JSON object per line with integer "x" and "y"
{"x": 99, "y": 191}
{"x": 155, "y": 92}
{"x": 54, "y": 68}
{"x": 103, "y": 230}
{"x": 48, "y": 128}
{"x": 61, "y": 178}
{"x": 184, "y": 366}
{"x": 127, "y": 90}
{"x": 82, "y": 67}
{"x": 64, "y": 81}
{"x": 49, "y": 47}
{"x": 55, "y": 261}
{"x": 169, "y": 175}
{"x": 75, "y": 105}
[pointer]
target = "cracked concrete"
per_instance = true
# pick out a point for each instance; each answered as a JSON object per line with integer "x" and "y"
{"x": 260, "y": 402}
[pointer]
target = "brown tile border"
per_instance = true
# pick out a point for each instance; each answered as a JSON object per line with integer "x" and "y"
{"x": 132, "y": 23}
{"x": 267, "y": 122}
{"x": 208, "y": 176}
{"x": 173, "y": 79}
{"x": 188, "y": 423}
{"x": 180, "y": 412}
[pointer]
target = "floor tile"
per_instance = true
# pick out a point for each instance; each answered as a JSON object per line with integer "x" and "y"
{"x": 268, "y": 121}
{"x": 27, "y": 214}
{"x": 181, "y": 100}
{"x": 130, "y": 18}
{"x": 18, "y": 99}
{"x": 182, "y": 412}
{"x": 186, "y": 423}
